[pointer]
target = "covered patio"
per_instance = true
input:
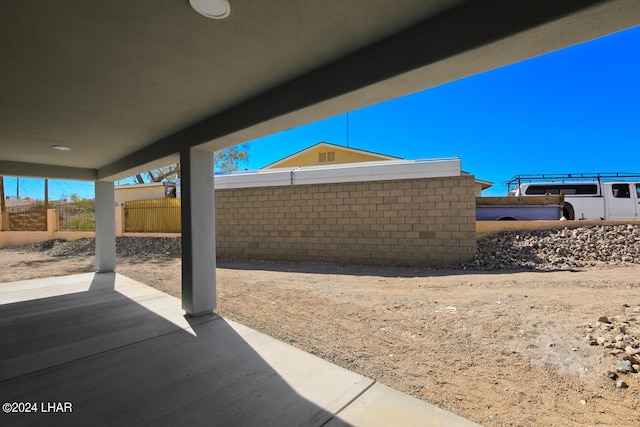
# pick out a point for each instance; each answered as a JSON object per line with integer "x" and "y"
{"x": 99, "y": 91}
{"x": 102, "y": 349}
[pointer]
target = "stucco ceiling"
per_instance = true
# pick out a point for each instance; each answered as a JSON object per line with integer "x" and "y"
{"x": 128, "y": 84}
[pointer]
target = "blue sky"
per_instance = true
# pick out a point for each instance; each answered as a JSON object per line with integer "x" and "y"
{"x": 58, "y": 189}
{"x": 574, "y": 110}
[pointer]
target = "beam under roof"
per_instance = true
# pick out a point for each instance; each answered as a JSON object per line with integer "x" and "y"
{"x": 38, "y": 170}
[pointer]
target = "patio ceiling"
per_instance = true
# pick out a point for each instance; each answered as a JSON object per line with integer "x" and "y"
{"x": 128, "y": 84}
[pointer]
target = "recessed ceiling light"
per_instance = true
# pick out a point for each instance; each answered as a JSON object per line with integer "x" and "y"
{"x": 61, "y": 147}
{"x": 216, "y": 9}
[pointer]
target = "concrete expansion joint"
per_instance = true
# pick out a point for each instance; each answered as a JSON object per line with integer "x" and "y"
{"x": 346, "y": 405}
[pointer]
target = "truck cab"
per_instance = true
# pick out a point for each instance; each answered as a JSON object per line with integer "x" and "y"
{"x": 587, "y": 196}
{"x": 622, "y": 200}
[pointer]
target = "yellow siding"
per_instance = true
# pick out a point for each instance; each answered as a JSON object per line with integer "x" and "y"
{"x": 312, "y": 157}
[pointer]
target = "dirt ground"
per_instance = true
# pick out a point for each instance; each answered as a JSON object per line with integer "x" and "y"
{"x": 497, "y": 348}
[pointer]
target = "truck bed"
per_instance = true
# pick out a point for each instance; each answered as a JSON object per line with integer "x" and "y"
{"x": 529, "y": 208}
{"x": 518, "y": 213}
{"x": 521, "y": 200}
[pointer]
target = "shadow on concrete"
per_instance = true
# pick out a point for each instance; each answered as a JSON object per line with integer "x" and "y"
{"x": 125, "y": 361}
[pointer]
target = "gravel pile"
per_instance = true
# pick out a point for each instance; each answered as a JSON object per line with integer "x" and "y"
{"x": 558, "y": 249}
{"x": 169, "y": 247}
{"x": 150, "y": 247}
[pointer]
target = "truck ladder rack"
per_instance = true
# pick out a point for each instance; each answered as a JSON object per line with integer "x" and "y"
{"x": 572, "y": 177}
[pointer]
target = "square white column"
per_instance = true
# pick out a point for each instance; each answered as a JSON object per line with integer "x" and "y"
{"x": 198, "y": 232}
{"x": 105, "y": 227}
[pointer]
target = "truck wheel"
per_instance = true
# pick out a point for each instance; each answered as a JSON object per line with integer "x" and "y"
{"x": 568, "y": 212}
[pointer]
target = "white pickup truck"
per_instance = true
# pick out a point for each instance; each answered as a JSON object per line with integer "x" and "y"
{"x": 610, "y": 196}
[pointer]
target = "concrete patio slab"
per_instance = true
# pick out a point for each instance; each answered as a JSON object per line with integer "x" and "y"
{"x": 383, "y": 406}
{"x": 53, "y": 321}
{"x": 104, "y": 350}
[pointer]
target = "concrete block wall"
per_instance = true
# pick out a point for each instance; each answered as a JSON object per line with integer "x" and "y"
{"x": 428, "y": 221}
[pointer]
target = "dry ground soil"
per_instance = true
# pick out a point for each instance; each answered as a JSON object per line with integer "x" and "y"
{"x": 498, "y": 348}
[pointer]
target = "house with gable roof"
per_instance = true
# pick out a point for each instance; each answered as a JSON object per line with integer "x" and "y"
{"x": 326, "y": 153}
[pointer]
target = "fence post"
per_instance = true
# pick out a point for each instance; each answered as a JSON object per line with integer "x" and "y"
{"x": 52, "y": 221}
{"x": 4, "y": 221}
{"x": 119, "y": 221}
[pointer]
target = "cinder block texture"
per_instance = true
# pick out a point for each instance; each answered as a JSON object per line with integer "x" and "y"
{"x": 427, "y": 222}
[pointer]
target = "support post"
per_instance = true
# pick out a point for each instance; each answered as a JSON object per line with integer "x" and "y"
{"x": 46, "y": 194}
{"x": 2, "y": 206}
{"x": 2, "y": 202}
{"x": 198, "y": 232}
{"x": 105, "y": 227}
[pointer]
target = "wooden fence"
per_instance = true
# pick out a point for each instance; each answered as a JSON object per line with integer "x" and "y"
{"x": 152, "y": 216}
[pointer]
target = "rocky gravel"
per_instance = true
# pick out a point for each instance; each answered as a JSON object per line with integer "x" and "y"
{"x": 597, "y": 246}
{"x": 620, "y": 338}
